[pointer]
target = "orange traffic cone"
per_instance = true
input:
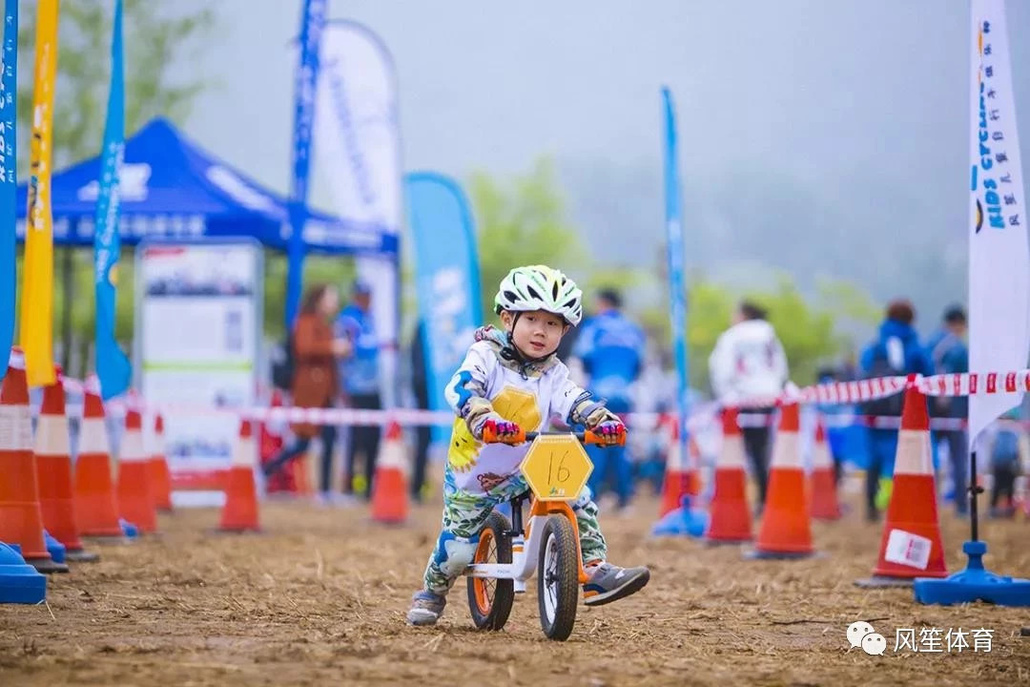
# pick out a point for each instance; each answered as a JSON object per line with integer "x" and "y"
{"x": 240, "y": 513}
{"x": 823, "y": 482}
{"x": 729, "y": 516}
{"x": 785, "y": 530}
{"x": 54, "y": 470}
{"x": 390, "y": 489}
{"x": 911, "y": 543}
{"x": 21, "y": 520}
{"x": 680, "y": 480}
{"x": 96, "y": 507}
{"x": 160, "y": 475}
{"x": 135, "y": 495}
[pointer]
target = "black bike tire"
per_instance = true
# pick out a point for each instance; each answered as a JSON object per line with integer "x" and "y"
{"x": 496, "y": 615}
{"x": 567, "y": 578}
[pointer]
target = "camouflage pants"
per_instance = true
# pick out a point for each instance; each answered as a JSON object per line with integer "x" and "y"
{"x": 464, "y": 514}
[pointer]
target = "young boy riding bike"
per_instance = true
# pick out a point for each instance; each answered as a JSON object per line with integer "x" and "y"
{"x": 509, "y": 380}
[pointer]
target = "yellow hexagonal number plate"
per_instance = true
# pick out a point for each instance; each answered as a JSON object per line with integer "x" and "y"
{"x": 556, "y": 467}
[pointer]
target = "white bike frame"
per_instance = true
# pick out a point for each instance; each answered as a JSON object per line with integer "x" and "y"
{"x": 525, "y": 554}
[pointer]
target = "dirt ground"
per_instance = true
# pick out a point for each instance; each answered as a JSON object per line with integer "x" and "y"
{"x": 320, "y": 597}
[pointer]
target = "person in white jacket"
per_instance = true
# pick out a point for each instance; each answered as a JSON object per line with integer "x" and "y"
{"x": 749, "y": 362}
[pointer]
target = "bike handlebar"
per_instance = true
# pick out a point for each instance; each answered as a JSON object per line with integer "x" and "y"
{"x": 590, "y": 438}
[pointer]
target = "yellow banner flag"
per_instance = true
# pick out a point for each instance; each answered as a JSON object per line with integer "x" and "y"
{"x": 37, "y": 293}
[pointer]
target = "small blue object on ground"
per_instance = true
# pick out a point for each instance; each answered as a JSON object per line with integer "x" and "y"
{"x": 682, "y": 521}
{"x": 128, "y": 529}
{"x": 54, "y": 548}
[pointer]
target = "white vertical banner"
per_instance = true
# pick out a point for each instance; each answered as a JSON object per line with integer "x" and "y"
{"x": 357, "y": 144}
{"x": 999, "y": 257}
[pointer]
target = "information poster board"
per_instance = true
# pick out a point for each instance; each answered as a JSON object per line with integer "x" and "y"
{"x": 198, "y": 323}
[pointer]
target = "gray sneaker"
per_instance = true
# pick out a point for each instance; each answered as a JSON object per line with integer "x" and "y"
{"x": 610, "y": 583}
{"x": 426, "y": 608}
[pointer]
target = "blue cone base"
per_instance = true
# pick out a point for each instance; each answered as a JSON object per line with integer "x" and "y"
{"x": 128, "y": 529}
{"x": 19, "y": 581}
{"x": 130, "y": 533}
{"x": 682, "y": 522}
{"x": 973, "y": 584}
{"x": 54, "y": 548}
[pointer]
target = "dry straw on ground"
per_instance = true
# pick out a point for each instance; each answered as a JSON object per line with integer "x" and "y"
{"x": 320, "y": 599}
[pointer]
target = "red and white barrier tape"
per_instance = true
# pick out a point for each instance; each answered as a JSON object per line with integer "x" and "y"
{"x": 831, "y": 393}
{"x": 353, "y": 416}
{"x": 855, "y": 391}
{"x": 964, "y": 384}
{"x": 973, "y": 383}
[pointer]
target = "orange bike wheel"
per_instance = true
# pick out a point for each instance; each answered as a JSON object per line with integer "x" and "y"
{"x": 490, "y": 600}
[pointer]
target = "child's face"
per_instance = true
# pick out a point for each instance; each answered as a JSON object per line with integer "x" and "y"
{"x": 536, "y": 333}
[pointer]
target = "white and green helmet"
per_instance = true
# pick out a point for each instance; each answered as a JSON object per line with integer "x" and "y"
{"x": 539, "y": 287}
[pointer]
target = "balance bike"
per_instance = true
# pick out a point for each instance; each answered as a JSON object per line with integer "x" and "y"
{"x": 556, "y": 468}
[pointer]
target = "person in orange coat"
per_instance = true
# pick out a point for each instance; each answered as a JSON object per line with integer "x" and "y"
{"x": 315, "y": 382}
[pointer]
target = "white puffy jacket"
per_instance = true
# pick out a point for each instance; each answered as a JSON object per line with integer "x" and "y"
{"x": 748, "y": 361}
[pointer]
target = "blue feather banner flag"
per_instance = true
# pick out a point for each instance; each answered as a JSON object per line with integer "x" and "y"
{"x": 113, "y": 368}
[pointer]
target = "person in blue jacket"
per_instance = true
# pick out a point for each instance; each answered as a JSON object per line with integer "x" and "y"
{"x": 949, "y": 354}
{"x": 895, "y": 352}
{"x": 359, "y": 379}
{"x": 610, "y": 348}
{"x": 834, "y": 438}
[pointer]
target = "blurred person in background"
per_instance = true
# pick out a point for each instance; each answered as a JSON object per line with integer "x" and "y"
{"x": 895, "y": 352}
{"x": 832, "y": 431}
{"x": 848, "y": 370}
{"x": 949, "y": 354}
{"x": 315, "y": 382}
{"x": 1005, "y": 439}
{"x": 420, "y": 387}
{"x": 359, "y": 377}
{"x": 655, "y": 392}
{"x": 610, "y": 352}
{"x": 565, "y": 348}
{"x": 748, "y": 361}
{"x": 849, "y": 438}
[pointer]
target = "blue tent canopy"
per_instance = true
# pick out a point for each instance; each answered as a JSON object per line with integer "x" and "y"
{"x": 171, "y": 188}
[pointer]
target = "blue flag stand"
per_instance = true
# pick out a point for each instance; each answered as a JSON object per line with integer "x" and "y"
{"x": 975, "y": 583}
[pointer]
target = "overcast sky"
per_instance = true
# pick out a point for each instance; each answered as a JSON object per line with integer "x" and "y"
{"x": 849, "y": 114}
